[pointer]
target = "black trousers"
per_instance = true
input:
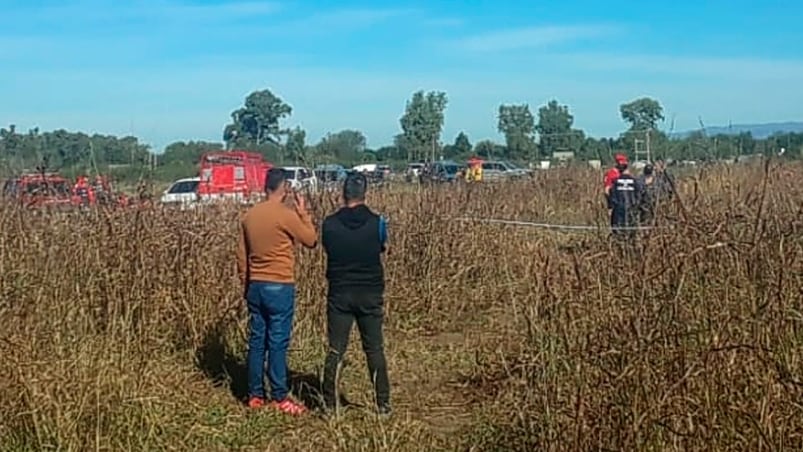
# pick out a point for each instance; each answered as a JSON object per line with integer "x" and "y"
{"x": 624, "y": 218}
{"x": 366, "y": 306}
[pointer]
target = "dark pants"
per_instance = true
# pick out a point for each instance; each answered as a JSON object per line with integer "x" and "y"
{"x": 624, "y": 218}
{"x": 343, "y": 308}
{"x": 270, "y": 306}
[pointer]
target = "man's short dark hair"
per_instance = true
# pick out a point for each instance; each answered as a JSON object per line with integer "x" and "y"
{"x": 354, "y": 187}
{"x": 274, "y": 179}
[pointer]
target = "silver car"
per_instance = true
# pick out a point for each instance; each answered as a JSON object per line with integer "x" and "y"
{"x": 500, "y": 169}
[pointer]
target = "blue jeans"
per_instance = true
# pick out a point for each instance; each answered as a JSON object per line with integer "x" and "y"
{"x": 271, "y": 307}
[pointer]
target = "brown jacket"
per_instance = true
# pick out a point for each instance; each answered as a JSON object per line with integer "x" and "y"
{"x": 268, "y": 233}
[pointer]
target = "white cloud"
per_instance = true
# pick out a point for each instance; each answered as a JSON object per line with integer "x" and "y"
{"x": 530, "y": 37}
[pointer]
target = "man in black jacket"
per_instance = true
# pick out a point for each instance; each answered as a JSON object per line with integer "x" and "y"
{"x": 624, "y": 201}
{"x": 354, "y": 238}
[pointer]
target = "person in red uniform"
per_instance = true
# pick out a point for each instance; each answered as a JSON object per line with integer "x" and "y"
{"x": 83, "y": 191}
{"x": 613, "y": 173}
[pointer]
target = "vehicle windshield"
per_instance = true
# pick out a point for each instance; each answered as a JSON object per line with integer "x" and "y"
{"x": 509, "y": 165}
{"x": 289, "y": 174}
{"x": 332, "y": 176}
{"x": 450, "y": 169}
{"x": 55, "y": 188}
{"x": 184, "y": 187}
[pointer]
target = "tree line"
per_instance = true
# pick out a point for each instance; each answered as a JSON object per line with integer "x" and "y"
{"x": 259, "y": 125}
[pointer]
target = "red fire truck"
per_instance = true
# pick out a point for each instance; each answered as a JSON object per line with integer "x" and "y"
{"x": 232, "y": 175}
{"x": 39, "y": 189}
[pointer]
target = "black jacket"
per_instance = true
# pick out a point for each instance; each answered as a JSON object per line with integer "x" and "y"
{"x": 354, "y": 239}
{"x": 626, "y": 195}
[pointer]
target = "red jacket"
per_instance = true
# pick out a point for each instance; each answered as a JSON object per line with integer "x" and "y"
{"x": 610, "y": 177}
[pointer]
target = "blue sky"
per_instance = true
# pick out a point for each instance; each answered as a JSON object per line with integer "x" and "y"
{"x": 170, "y": 70}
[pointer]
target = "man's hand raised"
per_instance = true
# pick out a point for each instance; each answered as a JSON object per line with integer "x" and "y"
{"x": 300, "y": 202}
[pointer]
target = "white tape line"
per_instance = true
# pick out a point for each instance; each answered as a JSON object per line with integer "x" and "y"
{"x": 560, "y": 227}
{"x": 567, "y": 227}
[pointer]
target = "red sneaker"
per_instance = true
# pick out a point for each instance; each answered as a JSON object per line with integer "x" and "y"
{"x": 290, "y": 407}
{"x": 256, "y": 402}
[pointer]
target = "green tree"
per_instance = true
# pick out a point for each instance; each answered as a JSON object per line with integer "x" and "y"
{"x": 189, "y": 152}
{"x": 517, "y": 123}
{"x": 390, "y": 153}
{"x": 489, "y": 150}
{"x": 642, "y": 114}
{"x": 296, "y": 147}
{"x": 555, "y": 130}
{"x": 345, "y": 146}
{"x": 460, "y": 148}
{"x": 422, "y": 123}
{"x": 258, "y": 120}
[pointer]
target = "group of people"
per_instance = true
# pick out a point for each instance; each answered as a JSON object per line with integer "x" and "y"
{"x": 354, "y": 239}
{"x": 90, "y": 193}
{"x": 632, "y": 200}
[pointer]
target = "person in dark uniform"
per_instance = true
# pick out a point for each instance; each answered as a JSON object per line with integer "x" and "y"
{"x": 624, "y": 201}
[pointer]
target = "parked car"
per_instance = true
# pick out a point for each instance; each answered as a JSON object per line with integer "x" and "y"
{"x": 413, "y": 171}
{"x": 442, "y": 171}
{"x": 330, "y": 176}
{"x": 330, "y": 173}
{"x": 500, "y": 169}
{"x": 517, "y": 170}
{"x": 300, "y": 177}
{"x": 183, "y": 192}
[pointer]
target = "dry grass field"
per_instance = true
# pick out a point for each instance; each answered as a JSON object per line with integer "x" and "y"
{"x": 125, "y": 330}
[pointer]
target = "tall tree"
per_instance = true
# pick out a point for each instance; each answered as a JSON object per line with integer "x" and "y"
{"x": 187, "y": 153}
{"x": 460, "y": 148}
{"x": 422, "y": 123}
{"x": 346, "y": 145}
{"x": 516, "y": 122}
{"x": 555, "y": 129}
{"x": 642, "y": 114}
{"x": 296, "y": 146}
{"x": 258, "y": 120}
{"x": 489, "y": 149}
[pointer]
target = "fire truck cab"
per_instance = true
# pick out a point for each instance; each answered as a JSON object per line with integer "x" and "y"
{"x": 39, "y": 189}
{"x": 232, "y": 175}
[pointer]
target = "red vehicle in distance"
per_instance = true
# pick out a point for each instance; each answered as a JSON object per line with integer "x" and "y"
{"x": 40, "y": 189}
{"x": 232, "y": 175}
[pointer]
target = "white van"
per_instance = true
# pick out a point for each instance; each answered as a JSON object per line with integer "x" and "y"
{"x": 182, "y": 192}
{"x": 300, "y": 177}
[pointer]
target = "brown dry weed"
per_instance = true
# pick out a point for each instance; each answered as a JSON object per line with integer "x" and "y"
{"x": 125, "y": 330}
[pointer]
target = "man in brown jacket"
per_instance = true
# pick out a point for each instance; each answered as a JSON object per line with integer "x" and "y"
{"x": 265, "y": 259}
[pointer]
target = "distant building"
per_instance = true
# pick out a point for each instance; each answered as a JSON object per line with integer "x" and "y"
{"x": 563, "y": 156}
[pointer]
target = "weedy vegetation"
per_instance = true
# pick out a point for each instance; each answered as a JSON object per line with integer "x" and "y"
{"x": 125, "y": 329}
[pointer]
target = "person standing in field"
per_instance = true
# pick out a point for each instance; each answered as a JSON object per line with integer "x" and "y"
{"x": 624, "y": 200}
{"x": 354, "y": 238}
{"x": 620, "y": 164}
{"x": 647, "y": 186}
{"x": 265, "y": 259}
